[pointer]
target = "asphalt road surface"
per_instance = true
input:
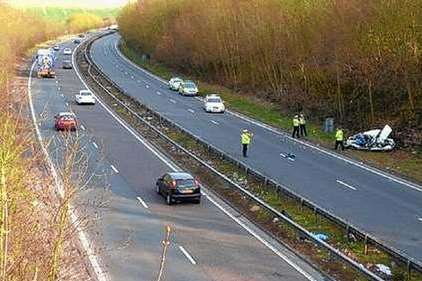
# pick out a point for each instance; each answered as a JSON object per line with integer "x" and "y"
{"x": 208, "y": 242}
{"x": 388, "y": 207}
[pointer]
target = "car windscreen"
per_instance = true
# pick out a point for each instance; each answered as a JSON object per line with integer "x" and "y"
{"x": 190, "y": 86}
{"x": 186, "y": 183}
{"x": 85, "y": 93}
{"x": 214, "y": 100}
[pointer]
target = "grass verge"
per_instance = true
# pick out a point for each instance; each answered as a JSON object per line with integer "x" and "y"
{"x": 406, "y": 163}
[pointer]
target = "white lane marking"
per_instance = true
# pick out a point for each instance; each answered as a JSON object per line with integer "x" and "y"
{"x": 57, "y": 81}
{"x": 67, "y": 104}
{"x": 142, "y": 202}
{"x": 174, "y": 167}
{"x": 187, "y": 255}
{"x": 287, "y": 156}
{"x": 95, "y": 145}
{"x": 263, "y": 241}
{"x": 139, "y": 81}
{"x": 61, "y": 95}
{"x": 276, "y": 131}
{"x": 420, "y": 219}
{"x": 147, "y": 86}
{"x": 214, "y": 122}
{"x": 172, "y": 101}
{"x": 82, "y": 127}
{"x": 191, "y": 110}
{"x": 58, "y": 88}
{"x": 126, "y": 73}
{"x": 158, "y": 93}
{"x": 83, "y": 238}
{"x": 114, "y": 168}
{"x": 133, "y": 77}
{"x": 346, "y": 185}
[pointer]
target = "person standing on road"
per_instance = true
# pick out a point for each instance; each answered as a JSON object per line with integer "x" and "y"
{"x": 245, "y": 139}
{"x": 302, "y": 125}
{"x": 339, "y": 139}
{"x": 296, "y": 124}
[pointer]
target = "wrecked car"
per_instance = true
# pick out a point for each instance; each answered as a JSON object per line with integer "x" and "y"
{"x": 373, "y": 140}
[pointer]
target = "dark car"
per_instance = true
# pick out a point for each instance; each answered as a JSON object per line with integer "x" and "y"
{"x": 179, "y": 186}
{"x": 76, "y": 41}
{"x": 67, "y": 64}
{"x": 81, "y": 35}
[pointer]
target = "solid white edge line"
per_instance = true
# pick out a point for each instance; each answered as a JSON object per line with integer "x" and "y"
{"x": 114, "y": 168}
{"x": 268, "y": 127}
{"x": 346, "y": 185}
{"x": 95, "y": 145}
{"x": 83, "y": 238}
{"x": 82, "y": 127}
{"x": 187, "y": 255}
{"x": 175, "y": 168}
{"x": 142, "y": 202}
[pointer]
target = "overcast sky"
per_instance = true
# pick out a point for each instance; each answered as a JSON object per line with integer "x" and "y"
{"x": 69, "y": 3}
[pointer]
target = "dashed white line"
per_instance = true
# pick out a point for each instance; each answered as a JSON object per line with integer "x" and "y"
{"x": 95, "y": 145}
{"x": 158, "y": 93}
{"x": 82, "y": 127}
{"x": 172, "y": 101}
{"x": 133, "y": 77}
{"x": 214, "y": 122}
{"x": 142, "y": 202}
{"x": 147, "y": 86}
{"x": 114, "y": 169}
{"x": 57, "y": 81}
{"x": 346, "y": 185}
{"x": 126, "y": 73}
{"x": 67, "y": 104}
{"x": 61, "y": 95}
{"x": 191, "y": 110}
{"x": 187, "y": 255}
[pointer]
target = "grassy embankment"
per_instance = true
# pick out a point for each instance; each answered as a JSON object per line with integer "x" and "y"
{"x": 35, "y": 233}
{"x": 402, "y": 162}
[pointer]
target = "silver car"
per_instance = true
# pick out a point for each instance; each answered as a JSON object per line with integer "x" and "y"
{"x": 188, "y": 88}
{"x": 174, "y": 83}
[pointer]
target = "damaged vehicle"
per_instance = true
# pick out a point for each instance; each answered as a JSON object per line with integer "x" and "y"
{"x": 373, "y": 140}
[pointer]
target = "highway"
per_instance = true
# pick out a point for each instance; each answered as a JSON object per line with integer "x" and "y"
{"x": 208, "y": 242}
{"x": 388, "y": 207}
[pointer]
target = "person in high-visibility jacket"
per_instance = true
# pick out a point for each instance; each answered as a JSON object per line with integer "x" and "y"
{"x": 302, "y": 125}
{"x": 245, "y": 139}
{"x": 296, "y": 124}
{"x": 339, "y": 139}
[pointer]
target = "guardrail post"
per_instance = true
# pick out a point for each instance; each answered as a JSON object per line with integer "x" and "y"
{"x": 302, "y": 204}
{"x": 409, "y": 270}
{"x": 316, "y": 215}
{"x": 365, "y": 250}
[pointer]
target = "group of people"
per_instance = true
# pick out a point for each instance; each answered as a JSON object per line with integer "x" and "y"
{"x": 299, "y": 126}
{"x": 299, "y": 130}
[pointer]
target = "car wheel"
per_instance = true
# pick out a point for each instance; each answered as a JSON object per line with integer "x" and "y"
{"x": 197, "y": 201}
{"x": 169, "y": 200}
{"x": 157, "y": 189}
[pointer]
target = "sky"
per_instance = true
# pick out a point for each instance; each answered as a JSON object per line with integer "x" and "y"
{"x": 68, "y": 3}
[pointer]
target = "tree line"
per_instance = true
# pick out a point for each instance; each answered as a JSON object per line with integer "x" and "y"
{"x": 355, "y": 60}
{"x": 35, "y": 231}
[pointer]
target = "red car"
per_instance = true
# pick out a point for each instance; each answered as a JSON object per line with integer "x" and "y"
{"x": 65, "y": 121}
